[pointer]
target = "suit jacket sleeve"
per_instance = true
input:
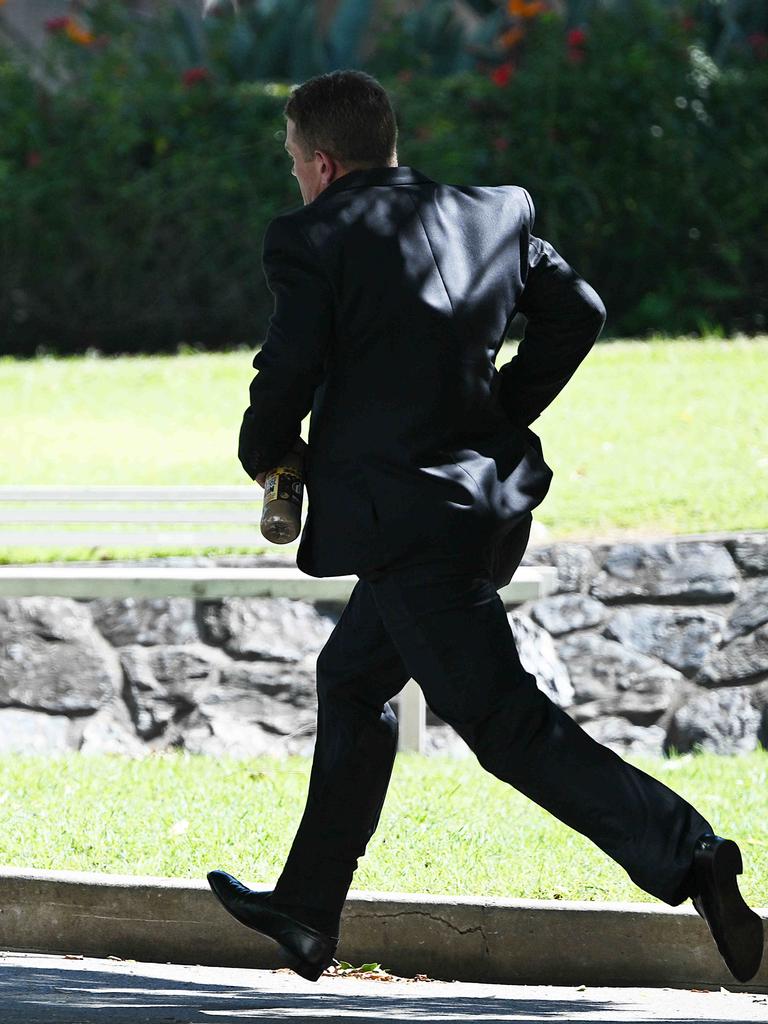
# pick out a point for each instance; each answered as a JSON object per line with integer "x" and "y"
{"x": 564, "y": 318}
{"x": 291, "y": 361}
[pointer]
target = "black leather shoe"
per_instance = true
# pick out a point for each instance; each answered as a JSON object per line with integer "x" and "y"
{"x": 309, "y": 950}
{"x": 737, "y": 930}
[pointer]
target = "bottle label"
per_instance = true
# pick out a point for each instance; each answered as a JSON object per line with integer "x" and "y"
{"x": 283, "y": 484}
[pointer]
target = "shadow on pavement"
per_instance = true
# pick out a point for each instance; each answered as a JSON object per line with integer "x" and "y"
{"x": 122, "y": 992}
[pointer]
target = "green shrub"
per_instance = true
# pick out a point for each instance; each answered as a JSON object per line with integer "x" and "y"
{"x": 140, "y": 164}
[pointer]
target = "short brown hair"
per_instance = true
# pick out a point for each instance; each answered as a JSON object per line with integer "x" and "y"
{"x": 346, "y": 114}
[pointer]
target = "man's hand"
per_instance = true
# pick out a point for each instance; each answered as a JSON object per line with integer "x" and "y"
{"x": 300, "y": 446}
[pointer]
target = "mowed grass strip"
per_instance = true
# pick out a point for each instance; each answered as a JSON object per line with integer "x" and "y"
{"x": 665, "y": 436}
{"x": 447, "y": 825}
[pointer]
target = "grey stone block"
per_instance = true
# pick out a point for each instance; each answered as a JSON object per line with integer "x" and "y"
{"x": 163, "y": 684}
{"x": 564, "y": 613}
{"x": 751, "y": 553}
{"x": 33, "y": 732}
{"x": 680, "y": 637}
{"x": 744, "y": 659}
{"x": 52, "y": 658}
{"x": 150, "y": 621}
{"x": 718, "y": 721}
{"x": 624, "y": 738}
{"x": 693, "y": 571}
{"x": 276, "y": 628}
{"x": 539, "y": 656}
{"x": 599, "y": 667}
{"x": 575, "y": 563}
{"x": 749, "y": 611}
{"x": 650, "y": 701}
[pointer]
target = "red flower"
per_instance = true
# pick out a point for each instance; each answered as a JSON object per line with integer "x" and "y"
{"x": 34, "y": 159}
{"x": 192, "y": 76}
{"x": 575, "y": 56}
{"x": 502, "y": 74}
{"x": 501, "y": 142}
{"x": 55, "y": 25}
{"x": 759, "y": 43}
{"x": 576, "y": 37}
{"x": 688, "y": 23}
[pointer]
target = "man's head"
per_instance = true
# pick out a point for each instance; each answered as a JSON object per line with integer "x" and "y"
{"x": 338, "y": 122}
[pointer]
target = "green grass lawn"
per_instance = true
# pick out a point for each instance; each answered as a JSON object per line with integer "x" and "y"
{"x": 447, "y": 825}
{"x": 649, "y": 437}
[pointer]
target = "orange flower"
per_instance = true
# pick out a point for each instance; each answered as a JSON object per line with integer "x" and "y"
{"x": 78, "y": 34}
{"x": 512, "y": 36}
{"x": 526, "y": 8}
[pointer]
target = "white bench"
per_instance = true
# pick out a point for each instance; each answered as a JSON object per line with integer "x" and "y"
{"x": 227, "y": 506}
{"x": 103, "y": 581}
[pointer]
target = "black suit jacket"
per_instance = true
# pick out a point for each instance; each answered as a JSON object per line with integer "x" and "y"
{"x": 392, "y": 295}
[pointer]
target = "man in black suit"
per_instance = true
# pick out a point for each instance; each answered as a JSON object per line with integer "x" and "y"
{"x": 393, "y": 294}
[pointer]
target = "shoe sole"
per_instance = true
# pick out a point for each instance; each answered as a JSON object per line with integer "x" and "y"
{"x": 309, "y": 969}
{"x": 303, "y": 967}
{"x": 736, "y": 929}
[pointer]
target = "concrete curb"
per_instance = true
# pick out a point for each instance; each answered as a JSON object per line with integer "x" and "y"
{"x": 494, "y": 940}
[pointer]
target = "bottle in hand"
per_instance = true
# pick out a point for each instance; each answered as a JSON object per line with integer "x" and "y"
{"x": 283, "y": 494}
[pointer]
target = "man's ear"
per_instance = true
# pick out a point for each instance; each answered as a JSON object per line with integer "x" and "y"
{"x": 334, "y": 166}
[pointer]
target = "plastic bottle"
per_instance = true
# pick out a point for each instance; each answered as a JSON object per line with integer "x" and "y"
{"x": 283, "y": 495}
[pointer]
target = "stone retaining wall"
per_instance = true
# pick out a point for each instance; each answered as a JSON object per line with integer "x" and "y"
{"x": 648, "y": 645}
{"x": 665, "y": 642}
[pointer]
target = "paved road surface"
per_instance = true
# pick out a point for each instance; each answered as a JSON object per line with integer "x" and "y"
{"x": 37, "y": 988}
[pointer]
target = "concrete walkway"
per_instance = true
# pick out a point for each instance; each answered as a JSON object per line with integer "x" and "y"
{"x": 41, "y": 988}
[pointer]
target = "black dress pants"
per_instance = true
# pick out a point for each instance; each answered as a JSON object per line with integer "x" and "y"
{"x": 441, "y": 622}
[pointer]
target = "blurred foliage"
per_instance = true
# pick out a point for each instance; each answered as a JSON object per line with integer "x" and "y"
{"x": 142, "y": 157}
